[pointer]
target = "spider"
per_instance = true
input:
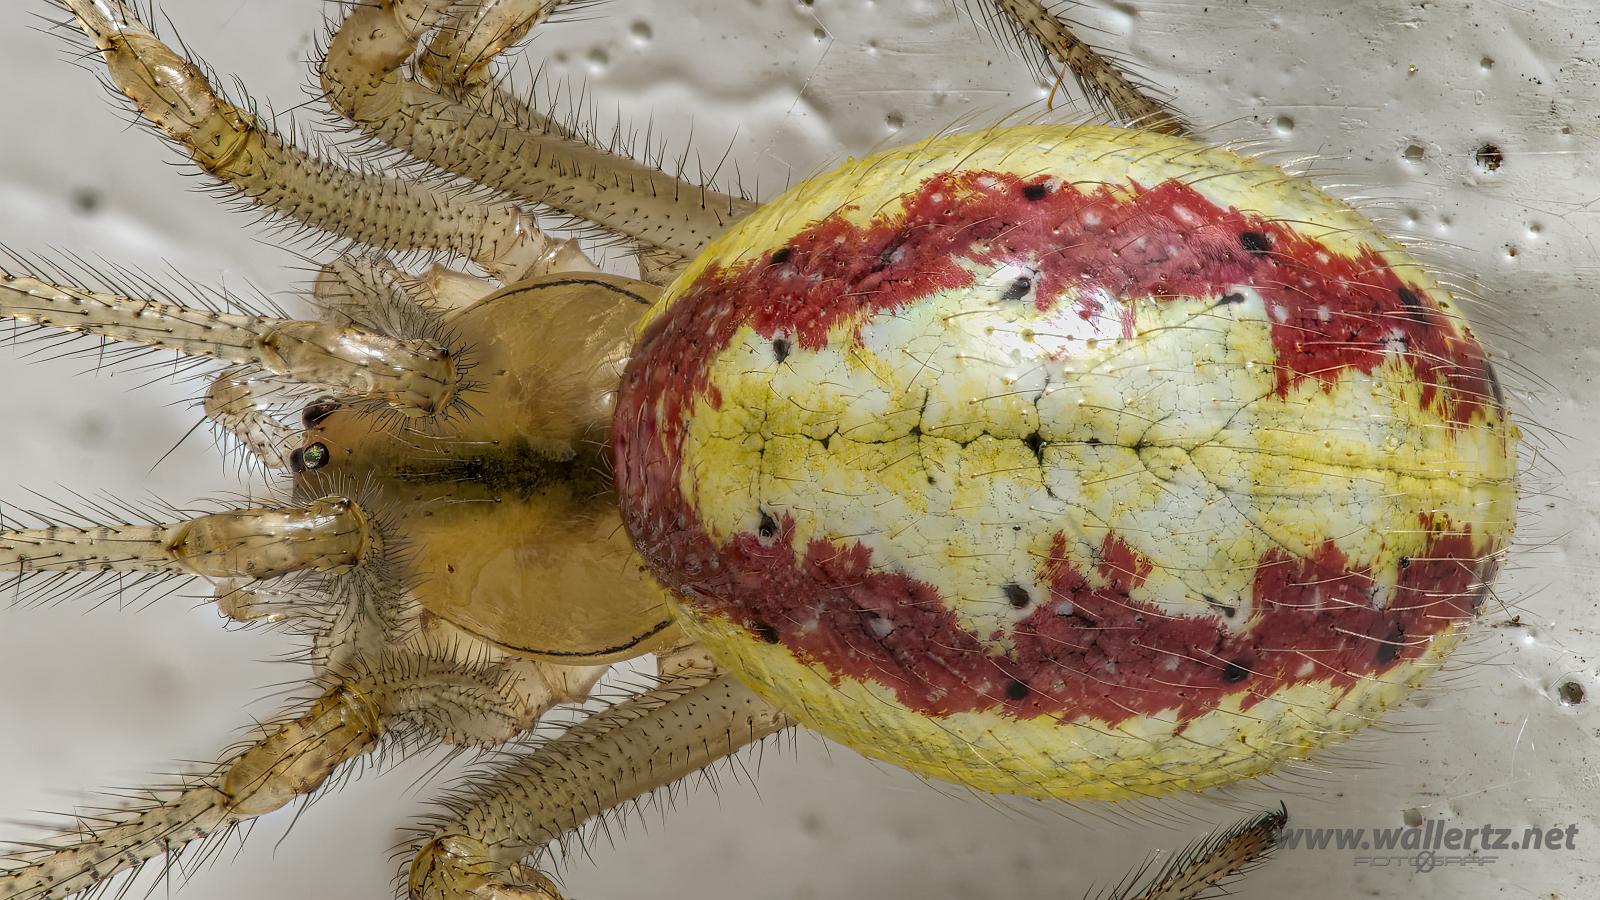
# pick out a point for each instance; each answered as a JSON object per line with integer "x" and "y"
{"x": 311, "y": 405}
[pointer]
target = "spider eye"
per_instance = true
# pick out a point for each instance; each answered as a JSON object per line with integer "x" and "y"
{"x": 317, "y": 410}
{"x": 308, "y": 458}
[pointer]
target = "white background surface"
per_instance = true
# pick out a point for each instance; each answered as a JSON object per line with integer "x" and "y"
{"x": 103, "y": 698}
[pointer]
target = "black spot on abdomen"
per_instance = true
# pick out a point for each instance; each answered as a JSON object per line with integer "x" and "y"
{"x": 1389, "y": 647}
{"x": 1495, "y": 390}
{"x": 1415, "y": 311}
{"x": 1018, "y": 288}
{"x": 1235, "y": 672}
{"x": 1017, "y": 595}
{"x": 1035, "y": 442}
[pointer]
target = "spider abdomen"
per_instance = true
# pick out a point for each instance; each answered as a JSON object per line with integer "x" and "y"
{"x": 1067, "y": 461}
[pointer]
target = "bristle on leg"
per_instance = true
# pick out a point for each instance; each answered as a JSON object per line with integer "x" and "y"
{"x": 1207, "y": 865}
{"x": 229, "y": 142}
{"x": 330, "y": 534}
{"x": 638, "y": 746}
{"x": 289, "y": 760}
{"x": 416, "y": 378}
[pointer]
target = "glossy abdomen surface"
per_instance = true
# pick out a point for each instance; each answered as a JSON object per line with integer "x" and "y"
{"x": 1067, "y": 461}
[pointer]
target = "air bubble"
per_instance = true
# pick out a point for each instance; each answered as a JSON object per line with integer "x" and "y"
{"x": 1284, "y": 124}
{"x": 1414, "y": 152}
{"x": 641, "y": 31}
{"x": 895, "y": 121}
{"x": 1486, "y": 63}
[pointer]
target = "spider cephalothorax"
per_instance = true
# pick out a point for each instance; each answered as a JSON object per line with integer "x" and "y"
{"x": 506, "y": 514}
{"x": 1069, "y": 461}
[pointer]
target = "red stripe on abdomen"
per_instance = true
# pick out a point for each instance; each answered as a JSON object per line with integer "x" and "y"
{"x": 1107, "y": 655}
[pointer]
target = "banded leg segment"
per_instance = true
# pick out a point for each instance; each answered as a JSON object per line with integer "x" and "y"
{"x": 644, "y": 743}
{"x": 363, "y": 78}
{"x": 240, "y": 151}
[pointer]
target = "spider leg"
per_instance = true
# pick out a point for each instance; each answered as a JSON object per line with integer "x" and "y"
{"x": 457, "y": 63}
{"x": 382, "y": 672}
{"x": 644, "y": 743}
{"x": 457, "y": 60}
{"x": 1097, "y": 73}
{"x": 368, "y": 292}
{"x": 434, "y": 696}
{"x": 418, "y": 378}
{"x": 286, "y": 760}
{"x": 330, "y": 534}
{"x": 244, "y": 154}
{"x": 1206, "y": 867}
{"x": 364, "y": 79}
